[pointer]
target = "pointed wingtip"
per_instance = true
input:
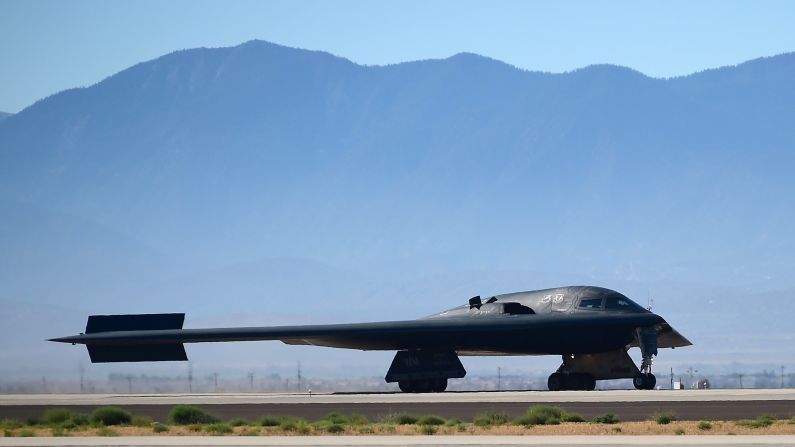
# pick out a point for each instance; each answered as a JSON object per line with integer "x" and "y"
{"x": 72, "y": 339}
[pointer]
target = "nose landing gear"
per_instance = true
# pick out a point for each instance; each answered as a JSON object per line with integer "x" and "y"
{"x": 644, "y": 381}
{"x": 647, "y": 341}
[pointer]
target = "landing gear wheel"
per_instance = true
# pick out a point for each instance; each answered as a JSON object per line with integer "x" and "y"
{"x": 555, "y": 382}
{"x": 439, "y": 385}
{"x": 644, "y": 381}
{"x": 407, "y": 386}
{"x": 589, "y": 382}
{"x": 572, "y": 381}
{"x": 423, "y": 386}
{"x": 652, "y": 381}
{"x": 640, "y": 381}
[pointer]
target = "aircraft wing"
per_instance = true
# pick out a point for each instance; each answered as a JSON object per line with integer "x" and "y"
{"x": 160, "y": 337}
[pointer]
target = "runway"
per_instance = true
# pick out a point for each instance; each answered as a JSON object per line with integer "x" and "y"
{"x": 311, "y": 441}
{"x": 628, "y": 405}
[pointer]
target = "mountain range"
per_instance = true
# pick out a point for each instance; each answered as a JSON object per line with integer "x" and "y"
{"x": 296, "y": 185}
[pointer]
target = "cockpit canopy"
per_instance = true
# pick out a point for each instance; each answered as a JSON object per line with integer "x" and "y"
{"x": 611, "y": 301}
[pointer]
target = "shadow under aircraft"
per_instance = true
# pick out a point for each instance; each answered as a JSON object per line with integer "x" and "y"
{"x": 591, "y": 328}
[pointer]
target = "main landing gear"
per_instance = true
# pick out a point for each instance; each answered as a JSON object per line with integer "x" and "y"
{"x": 423, "y": 386}
{"x": 571, "y": 381}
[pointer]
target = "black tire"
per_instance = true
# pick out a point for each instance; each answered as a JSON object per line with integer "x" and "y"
{"x": 572, "y": 381}
{"x": 406, "y": 386}
{"x": 590, "y": 382}
{"x": 423, "y": 386}
{"x": 555, "y": 382}
{"x": 439, "y": 385}
{"x": 652, "y": 381}
{"x": 640, "y": 381}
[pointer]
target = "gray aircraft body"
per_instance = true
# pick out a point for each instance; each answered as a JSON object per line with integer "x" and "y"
{"x": 591, "y": 328}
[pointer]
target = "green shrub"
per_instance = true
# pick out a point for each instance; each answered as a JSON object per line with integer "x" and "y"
{"x": 33, "y": 420}
{"x": 8, "y": 433}
{"x": 607, "y": 418}
{"x": 58, "y": 431}
{"x": 10, "y": 424}
{"x": 238, "y": 422}
{"x": 80, "y": 419}
{"x": 57, "y": 415}
{"x": 105, "y": 431}
{"x": 336, "y": 418}
{"x": 160, "y": 428}
{"x": 704, "y": 425}
{"x": 571, "y": 417}
{"x": 196, "y": 427}
{"x": 302, "y": 427}
{"x": 335, "y": 428}
{"x": 541, "y": 415}
{"x": 428, "y": 429}
{"x": 664, "y": 417}
{"x": 218, "y": 428}
{"x": 402, "y": 419}
{"x": 357, "y": 419}
{"x": 27, "y": 433}
{"x": 250, "y": 432}
{"x": 141, "y": 421}
{"x": 188, "y": 414}
{"x": 68, "y": 425}
{"x": 759, "y": 422}
{"x": 297, "y": 425}
{"x": 453, "y": 422}
{"x": 110, "y": 416}
{"x": 431, "y": 419}
{"x": 679, "y": 431}
{"x": 270, "y": 421}
{"x": 489, "y": 418}
{"x": 366, "y": 430}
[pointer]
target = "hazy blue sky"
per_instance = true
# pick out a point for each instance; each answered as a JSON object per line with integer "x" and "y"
{"x": 48, "y": 46}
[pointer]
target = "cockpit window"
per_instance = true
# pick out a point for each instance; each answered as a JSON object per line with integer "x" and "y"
{"x": 614, "y": 302}
{"x": 591, "y": 303}
{"x": 620, "y": 302}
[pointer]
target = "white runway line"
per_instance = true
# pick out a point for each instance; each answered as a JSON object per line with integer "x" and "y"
{"x": 306, "y": 441}
{"x": 450, "y": 397}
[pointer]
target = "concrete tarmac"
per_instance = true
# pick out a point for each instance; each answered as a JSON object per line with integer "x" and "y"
{"x": 628, "y": 405}
{"x": 310, "y": 441}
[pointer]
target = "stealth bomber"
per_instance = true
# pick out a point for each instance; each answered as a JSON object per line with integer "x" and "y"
{"x": 591, "y": 328}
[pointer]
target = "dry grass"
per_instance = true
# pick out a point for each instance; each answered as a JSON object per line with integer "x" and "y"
{"x": 467, "y": 429}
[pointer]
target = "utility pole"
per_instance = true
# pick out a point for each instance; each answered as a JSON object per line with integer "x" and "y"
{"x": 129, "y": 383}
{"x": 190, "y": 377}
{"x": 782, "y": 376}
{"x": 215, "y": 381}
{"x": 672, "y": 378}
{"x": 499, "y": 378}
{"x": 251, "y": 380}
{"x": 299, "y": 377}
{"x": 741, "y": 380}
{"x": 82, "y": 370}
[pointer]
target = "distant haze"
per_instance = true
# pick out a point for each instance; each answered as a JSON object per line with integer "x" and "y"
{"x": 261, "y": 184}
